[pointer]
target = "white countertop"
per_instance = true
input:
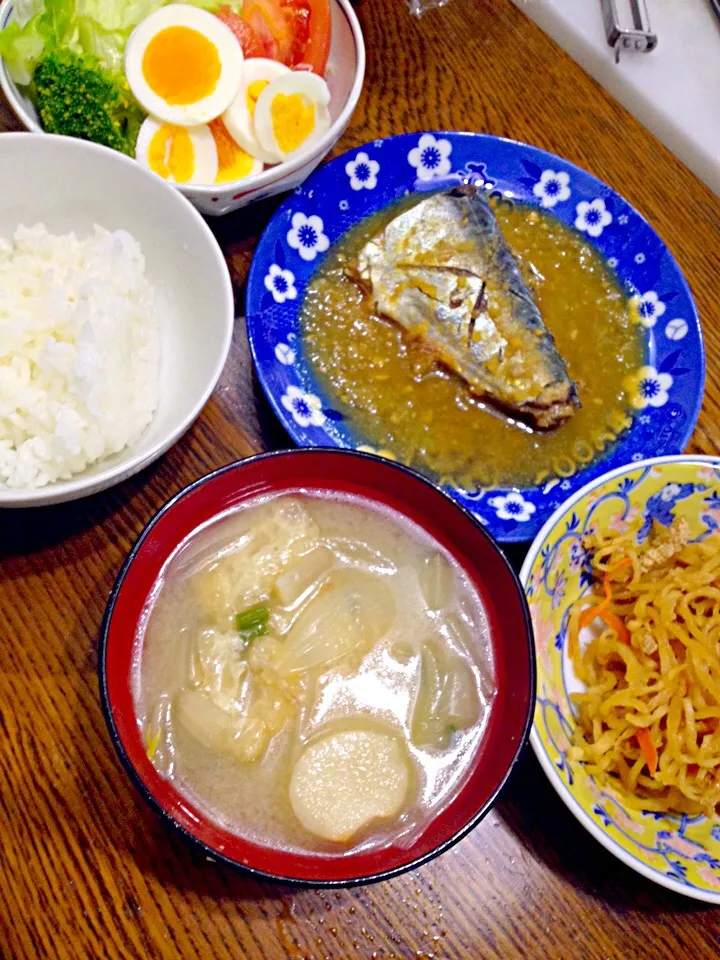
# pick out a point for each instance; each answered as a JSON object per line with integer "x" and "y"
{"x": 674, "y": 91}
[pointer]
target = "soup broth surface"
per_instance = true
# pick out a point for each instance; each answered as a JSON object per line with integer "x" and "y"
{"x": 418, "y": 671}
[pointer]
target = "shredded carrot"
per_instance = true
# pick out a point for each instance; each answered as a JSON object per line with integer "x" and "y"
{"x": 587, "y": 616}
{"x": 591, "y": 613}
{"x": 648, "y": 749}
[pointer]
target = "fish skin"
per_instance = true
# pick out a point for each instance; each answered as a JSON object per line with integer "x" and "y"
{"x": 443, "y": 271}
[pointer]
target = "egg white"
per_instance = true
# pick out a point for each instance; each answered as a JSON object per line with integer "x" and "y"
{"x": 205, "y": 168}
{"x": 237, "y": 118}
{"x": 229, "y": 52}
{"x": 312, "y": 88}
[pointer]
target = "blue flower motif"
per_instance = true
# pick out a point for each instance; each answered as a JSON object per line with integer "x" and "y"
{"x": 578, "y": 556}
{"x": 280, "y": 283}
{"x": 592, "y": 217}
{"x": 649, "y": 308}
{"x": 431, "y": 157}
{"x": 512, "y": 507}
{"x": 552, "y": 188}
{"x": 661, "y": 505}
{"x": 677, "y": 870}
{"x": 307, "y": 236}
{"x": 306, "y": 408}
{"x": 603, "y": 815}
{"x": 362, "y": 172}
{"x": 649, "y": 388}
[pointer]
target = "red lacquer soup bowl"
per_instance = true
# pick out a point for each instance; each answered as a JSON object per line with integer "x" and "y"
{"x": 410, "y": 495}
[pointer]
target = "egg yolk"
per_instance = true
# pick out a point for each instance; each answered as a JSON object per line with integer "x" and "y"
{"x": 253, "y": 92}
{"x": 293, "y": 120}
{"x": 233, "y": 162}
{"x": 181, "y": 65}
{"x": 171, "y": 153}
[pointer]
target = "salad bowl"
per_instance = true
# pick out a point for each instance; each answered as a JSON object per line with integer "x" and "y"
{"x": 344, "y": 74}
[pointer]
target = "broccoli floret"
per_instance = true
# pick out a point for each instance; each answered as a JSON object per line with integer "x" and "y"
{"x": 76, "y": 96}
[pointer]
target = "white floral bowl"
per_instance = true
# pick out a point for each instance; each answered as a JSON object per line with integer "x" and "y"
{"x": 678, "y": 852}
{"x": 345, "y": 73}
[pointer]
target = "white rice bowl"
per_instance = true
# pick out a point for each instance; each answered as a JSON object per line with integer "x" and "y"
{"x": 70, "y": 186}
{"x": 79, "y": 352}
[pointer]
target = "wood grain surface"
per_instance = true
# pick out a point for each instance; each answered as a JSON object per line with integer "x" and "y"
{"x": 86, "y": 870}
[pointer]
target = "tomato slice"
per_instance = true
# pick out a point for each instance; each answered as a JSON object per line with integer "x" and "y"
{"x": 251, "y": 45}
{"x": 295, "y": 32}
{"x": 317, "y": 46}
{"x": 267, "y": 22}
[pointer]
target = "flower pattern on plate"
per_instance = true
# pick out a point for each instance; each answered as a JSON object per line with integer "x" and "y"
{"x": 648, "y": 308}
{"x": 362, "y": 172}
{"x": 677, "y": 329}
{"x": 679, "y": 851}
{"x": 431, "y": 157}
{"x": 285, "y": 354}
{"x": 309, "y": 221}
{"x": 648, "y": 388}
{"x": 512, "y": 507}
{"x": 307, "y": 236}
{"x": 552, "y": 188}
{"x": 305, "y": 408}
{"x": 592, "y": 217}
{"x": 280, "y": 283}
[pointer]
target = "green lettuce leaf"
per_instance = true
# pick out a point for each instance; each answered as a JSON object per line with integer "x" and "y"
{"x": 21, "y": 48}
{"x": 97, "y": 27}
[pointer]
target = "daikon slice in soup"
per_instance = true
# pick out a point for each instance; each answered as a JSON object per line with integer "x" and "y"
{"x": 314, "y": 674}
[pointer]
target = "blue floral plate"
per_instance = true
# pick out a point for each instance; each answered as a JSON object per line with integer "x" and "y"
{"x": 668, "y": 386}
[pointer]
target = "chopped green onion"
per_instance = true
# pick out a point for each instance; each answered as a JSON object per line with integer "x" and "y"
{"x": 252, "y": 622}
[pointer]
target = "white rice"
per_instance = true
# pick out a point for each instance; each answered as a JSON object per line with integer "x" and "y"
{"x": 79, "y": 352}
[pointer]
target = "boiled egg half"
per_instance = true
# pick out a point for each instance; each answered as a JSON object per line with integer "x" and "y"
{"x": 183, "y": 65}
{"x": 203, "y": 154}
{"x": 239, "y": 118}
{"x": 291, "y": 112}
{"x": 177, "y": 154}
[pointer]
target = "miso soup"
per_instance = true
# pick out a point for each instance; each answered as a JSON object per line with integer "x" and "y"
{"x": 315, "y": 674}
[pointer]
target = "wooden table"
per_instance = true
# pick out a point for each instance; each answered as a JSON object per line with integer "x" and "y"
{"x": 86, "y": 870}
